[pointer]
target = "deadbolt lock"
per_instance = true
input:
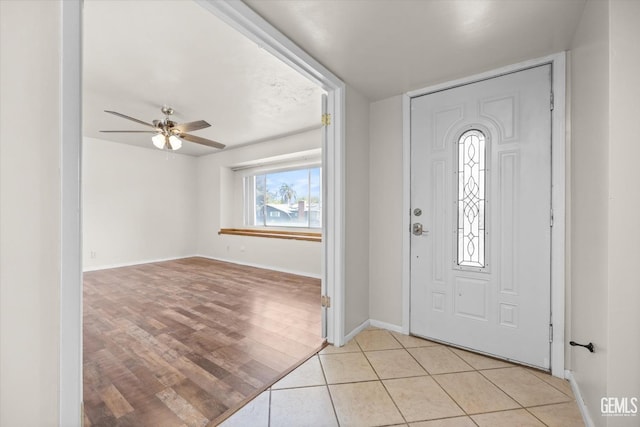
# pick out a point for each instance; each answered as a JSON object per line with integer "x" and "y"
{"x": 417, "y": 211}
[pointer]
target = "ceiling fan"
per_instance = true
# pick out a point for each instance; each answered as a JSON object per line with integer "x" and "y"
{"x": 169, "y": 134}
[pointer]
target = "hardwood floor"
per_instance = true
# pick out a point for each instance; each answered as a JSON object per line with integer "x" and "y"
{"x": 184, "y": 342}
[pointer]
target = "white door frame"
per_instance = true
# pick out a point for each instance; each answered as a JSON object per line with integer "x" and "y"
{"x": 249, "y": 23}
{"x": 558, "y": 178}
{"x": 70, "y": 304}
{"x": 241, "y": 17}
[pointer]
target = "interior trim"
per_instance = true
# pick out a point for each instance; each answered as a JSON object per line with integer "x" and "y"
{"x": 70, "y": 303}
{"x": 273, "y": 234}
{"x": 584, "y": 411}
{"x": 385, "y": 325}
{"x": 361, "y": 327}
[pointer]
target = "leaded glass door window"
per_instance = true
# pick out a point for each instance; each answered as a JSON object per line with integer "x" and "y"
{"x": 471, "y": 157}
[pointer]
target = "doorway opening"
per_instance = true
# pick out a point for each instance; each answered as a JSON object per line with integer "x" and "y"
{"x": 332, "y": 273}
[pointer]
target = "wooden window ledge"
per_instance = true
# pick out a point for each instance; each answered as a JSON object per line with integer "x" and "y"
{"x": 273, "y": 234}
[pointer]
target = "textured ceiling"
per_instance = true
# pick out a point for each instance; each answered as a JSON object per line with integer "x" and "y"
{"x": 140, "y": 55}
{"x": 387, "y": 47}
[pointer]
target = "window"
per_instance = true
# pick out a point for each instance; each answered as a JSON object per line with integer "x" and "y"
{"x": 471, "y": 199}
{"x": 285, "y": 198}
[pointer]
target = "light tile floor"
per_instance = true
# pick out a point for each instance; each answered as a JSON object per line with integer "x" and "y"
{"x": 382, "y": 378}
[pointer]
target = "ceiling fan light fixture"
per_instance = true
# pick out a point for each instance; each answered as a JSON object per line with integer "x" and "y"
{"x": 163, "y": 141}
{"x": 159, "y": 141}
{"x": 175, "y": 142}
{"x": 169, "y": 134}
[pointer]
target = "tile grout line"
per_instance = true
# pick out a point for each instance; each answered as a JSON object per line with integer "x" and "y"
{"x": 541, "y": 406}
{"x": 521, "y": 406}
{"x": 459, "y": 357}
{"x": 552, "y": 385}
{"x": 513, "y": 398}
{"x": 534, "y": 416}
{"x": 382, "y": 383}
{"x": 500, "y": 388}
{"x": 433, "y": 376}
{"x": 539, "y": 379}
{"x": 451, "y": 397}
{"x": 326, "y": 384}
{"x": 438, "y": 384}
{"x": 365, "y": 381}
{"x": 473, "y": 369}
{"x": 509, "y": 410}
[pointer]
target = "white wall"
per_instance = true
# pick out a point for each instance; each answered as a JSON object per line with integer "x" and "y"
{"x": 138, "y": 204}
{"x": 385, "y": 207}
{"x": 217, "y": 202}
{"x": 605, "y": 285}
{"x": 356, "y": 210}
{"x": 623, "y": 374}
{"x": 29, "y": 212}
{"x": 589, "y": 197}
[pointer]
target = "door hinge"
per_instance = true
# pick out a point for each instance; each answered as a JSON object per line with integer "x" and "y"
{"x": 325, "y": 301}
{"x": 550, "y": 333}
{"x": 551, "y": 218}
{"x": 551, "y": 101}
{"x": 326, "y": 119}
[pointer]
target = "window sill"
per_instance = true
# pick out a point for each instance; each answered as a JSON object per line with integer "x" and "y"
{"x": 273, "y": 234}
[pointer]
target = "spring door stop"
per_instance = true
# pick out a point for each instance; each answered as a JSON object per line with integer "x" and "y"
{"x": 587, "y": 346}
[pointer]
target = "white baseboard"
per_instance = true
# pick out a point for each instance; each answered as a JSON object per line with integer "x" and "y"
{"x": 586, "y": 417}
{"x": 385, "y": 325}
{"x": 372, "y": 322}
{"x": 364, "y": 325}
{"x": 266, "y": 267}
{"x": 231, "y": 261}
{"x": 130, "y": 264}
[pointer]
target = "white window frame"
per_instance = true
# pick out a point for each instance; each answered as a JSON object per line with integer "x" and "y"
{"x": 248, "y": 196}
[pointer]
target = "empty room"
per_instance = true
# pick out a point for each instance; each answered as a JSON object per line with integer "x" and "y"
{"x": 202, "y": 251}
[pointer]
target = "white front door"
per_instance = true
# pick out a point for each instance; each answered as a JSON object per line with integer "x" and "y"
{"x": 481, "y": 216}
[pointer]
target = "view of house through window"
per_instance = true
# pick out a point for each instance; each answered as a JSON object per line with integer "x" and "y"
{"x": 287, "y": 198}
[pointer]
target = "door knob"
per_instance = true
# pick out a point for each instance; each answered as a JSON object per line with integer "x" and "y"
{"x": 417, "y": 229}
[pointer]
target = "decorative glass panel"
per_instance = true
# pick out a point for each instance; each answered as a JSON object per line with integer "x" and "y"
{"x": 471, "y": 199}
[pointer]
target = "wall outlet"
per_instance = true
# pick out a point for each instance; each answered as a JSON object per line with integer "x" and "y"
{"x": 241, "y": 248}
{"x": 94, "y": 255}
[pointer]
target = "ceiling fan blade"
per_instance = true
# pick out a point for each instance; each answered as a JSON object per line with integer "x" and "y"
{"x": 203, "y": 141}
{"x": 128, "y": 131}
{"x": 115, "y": 113}
{"x": 191, "y": 126}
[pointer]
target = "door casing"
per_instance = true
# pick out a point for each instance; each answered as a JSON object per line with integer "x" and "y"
{"x": 558, "y": 180}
